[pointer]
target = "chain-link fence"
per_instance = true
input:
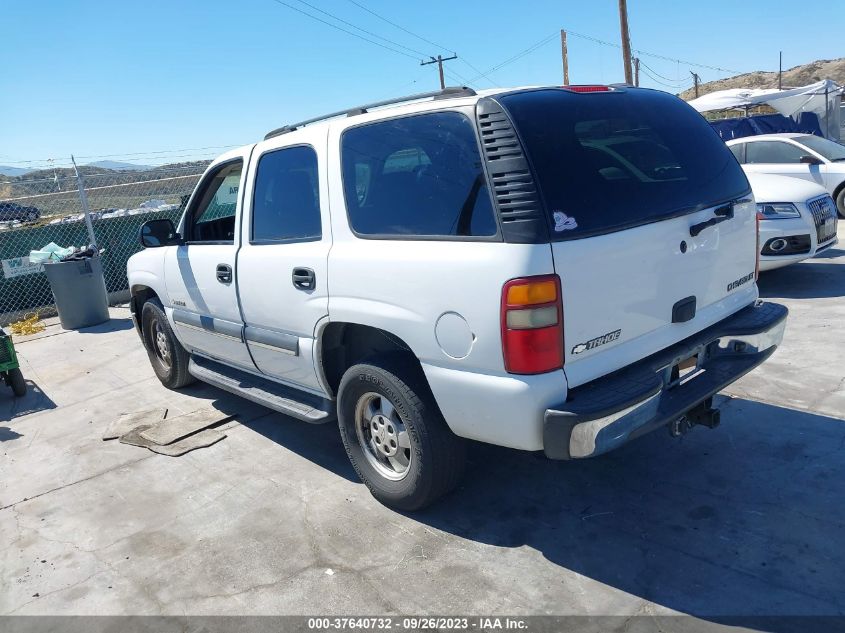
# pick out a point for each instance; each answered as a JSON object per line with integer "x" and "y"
{"x": 35, "y": 212}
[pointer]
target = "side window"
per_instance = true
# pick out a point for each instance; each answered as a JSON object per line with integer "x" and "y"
{"x": 213, "y": 218}
{"x": 738, "y": 151}
{"x": 286, "y": 204}
{"x": 773, "y": 152}
{"x": 417, "y": 176}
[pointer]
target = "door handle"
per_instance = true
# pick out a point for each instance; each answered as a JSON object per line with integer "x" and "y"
{"x": 304, "y": 279}
{"x": 721, "y": 214}
{"x": 224, "y": 273}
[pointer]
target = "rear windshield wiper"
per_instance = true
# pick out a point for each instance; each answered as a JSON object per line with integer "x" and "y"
{"x": 723, "y": 213}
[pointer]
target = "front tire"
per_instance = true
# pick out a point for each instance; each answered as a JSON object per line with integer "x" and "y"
{"x": 395, "y": 436}
{"x": 840, "y": 203}
{"x": 167, "y": 356}
{"x": 17, "y": 383}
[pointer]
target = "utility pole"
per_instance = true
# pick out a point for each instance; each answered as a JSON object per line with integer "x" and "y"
{"x": 565, "y": 57}
{"x": 780, "y": 70}
{"x": 696, "y": 80}
{"x": 637, "y": 72}
{"x": 626, "y": 40}
{"x": 439, "y": 61}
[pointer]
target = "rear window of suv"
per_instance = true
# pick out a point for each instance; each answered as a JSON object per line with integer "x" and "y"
{"x": 614, "y": 160}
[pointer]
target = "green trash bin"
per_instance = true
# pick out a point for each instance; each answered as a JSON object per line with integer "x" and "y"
{"x": 79, "y": 291}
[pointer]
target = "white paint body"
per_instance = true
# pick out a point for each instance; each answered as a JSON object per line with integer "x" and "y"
{"x": 442, "y": 297}
{"x": 799, "y": 193}
{"x": 829, "y": 175}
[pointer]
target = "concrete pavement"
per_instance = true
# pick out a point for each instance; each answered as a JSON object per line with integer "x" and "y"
{"x": 743, "y": 520}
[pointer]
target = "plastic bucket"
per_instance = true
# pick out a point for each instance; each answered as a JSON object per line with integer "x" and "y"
{"x": 79, "y": 291}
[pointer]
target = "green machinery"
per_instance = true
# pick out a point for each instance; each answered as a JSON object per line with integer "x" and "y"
{"x": 9, "y": 368}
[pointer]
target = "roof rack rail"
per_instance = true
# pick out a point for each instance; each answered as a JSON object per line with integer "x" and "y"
{"x": 450, "y": 92}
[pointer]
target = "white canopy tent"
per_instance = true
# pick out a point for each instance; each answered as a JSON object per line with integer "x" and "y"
{"x": 822, "y": 98}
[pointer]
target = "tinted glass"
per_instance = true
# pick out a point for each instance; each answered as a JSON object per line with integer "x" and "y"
{"x": 214, "y": 215}
{"x": 418, "y": 175}
{"x": 612, "y": 160}
{"x": 286, "y": 205}
{"x": 825, "y": 147}
{"x": 738, "y": 151}
{"x": 773, "y": 152}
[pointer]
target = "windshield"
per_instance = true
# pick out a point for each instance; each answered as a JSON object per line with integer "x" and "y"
{"x": 609, "y": 161}
{"x": 825, "y": 147}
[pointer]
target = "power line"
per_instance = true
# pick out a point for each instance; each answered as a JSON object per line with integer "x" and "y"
{"x": 480, "y": 73}
{"x": 458, "y": 76}
{"x": 656, "y": 78}
{"x": 655, "y": 55}
{"x": 654, "y": 72}
{"x": 401, "y": 28}
{"x": 340, "y": 28}
{"x": 342, "y": 21}
{"x": 422, "y": 39}
{"x": 520, "y": 55}
{"x": 679, "y": 87}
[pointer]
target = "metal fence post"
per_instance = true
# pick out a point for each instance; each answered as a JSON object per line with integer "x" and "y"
{"x": 86, "y": 210}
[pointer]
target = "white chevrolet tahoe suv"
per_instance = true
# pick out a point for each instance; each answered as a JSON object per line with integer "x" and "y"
{"x": 555, "y": 269}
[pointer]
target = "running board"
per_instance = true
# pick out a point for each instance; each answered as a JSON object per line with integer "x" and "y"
{"x": 287, "y": 400}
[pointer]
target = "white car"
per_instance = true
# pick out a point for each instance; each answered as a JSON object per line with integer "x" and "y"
{"x": 801, "y": 156}
{"x": 422, "y": 271}
{"x": 797, "y": 219}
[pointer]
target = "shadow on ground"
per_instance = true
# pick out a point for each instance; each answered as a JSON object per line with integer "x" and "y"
{"x": 318, "y": 443}
{"x": 7, "y": 434}
{"x": 741, "y": 525}
{"x": 34, "y": 401}
{"x": 812, "y": 279}
{"x": 736, "y": 521}
{"x": 112, "y": 325}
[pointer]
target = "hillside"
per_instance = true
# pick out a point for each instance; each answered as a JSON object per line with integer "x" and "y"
{"x": 108, "y": 189}
{"x": 119, "y": 166}
{"x": 6, "y": 170}
{"x": 792, "y": 78}
{"x": 38, "y": 188}
{"x": 10, "y": 172}
{"x": 41, "y": 181}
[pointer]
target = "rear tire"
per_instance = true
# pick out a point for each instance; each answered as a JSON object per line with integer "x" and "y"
{"x": 840, "y": 203}
{"x": 17, "y": 383}
{"x": 395, "y": 435}
{"x": 167, "y": 356}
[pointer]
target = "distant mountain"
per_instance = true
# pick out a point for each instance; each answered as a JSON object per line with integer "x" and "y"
{"x": 118, "y": 166}
{"x": 793, "y": 78}
{"x": 13, "y": 171}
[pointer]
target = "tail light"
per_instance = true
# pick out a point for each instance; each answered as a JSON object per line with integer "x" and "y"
{"x": 588, "y": 88}
{"x": 532, "y": 325}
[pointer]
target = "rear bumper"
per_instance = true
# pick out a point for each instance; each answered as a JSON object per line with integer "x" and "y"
{"x": 607, "y": 412}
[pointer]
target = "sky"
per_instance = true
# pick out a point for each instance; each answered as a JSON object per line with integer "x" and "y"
{"x": 158, "y": 81}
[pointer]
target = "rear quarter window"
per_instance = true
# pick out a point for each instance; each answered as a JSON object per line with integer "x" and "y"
{"x": 416, "y": 176}
{"x": 614, "y": 160}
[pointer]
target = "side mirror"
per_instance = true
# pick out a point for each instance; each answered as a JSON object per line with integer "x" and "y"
{"x": 161, "y": 232}
{"x": 810, "y": 160}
